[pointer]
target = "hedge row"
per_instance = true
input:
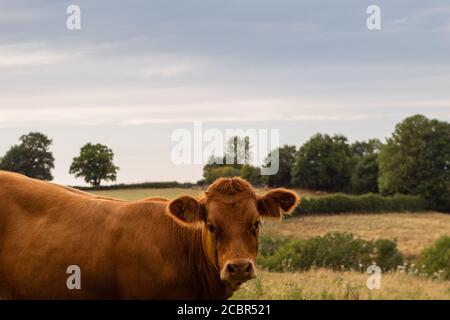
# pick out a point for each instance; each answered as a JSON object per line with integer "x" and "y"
{"x": 340, "y": 203}
{"x": 337, "y": 251}
{"x": 144, "y": 185}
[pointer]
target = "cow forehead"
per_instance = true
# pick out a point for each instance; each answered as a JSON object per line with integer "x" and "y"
{"x": 244, "y": 208}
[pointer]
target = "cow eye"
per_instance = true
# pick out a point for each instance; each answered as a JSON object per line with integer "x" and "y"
{"x": 255, "y": 227}
{"x": 211, "y": 228}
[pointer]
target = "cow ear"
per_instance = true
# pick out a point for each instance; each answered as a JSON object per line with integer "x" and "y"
{"x": 187, "y": 209}
{"x": 277, "y": 202}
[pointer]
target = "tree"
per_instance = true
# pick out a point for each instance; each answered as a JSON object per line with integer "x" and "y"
{"x": 362, "y": 148}
{"x": 416, "y": 160}
{"x": 433, "y": 166}
{"x": 239, "y": 155}
{"x": 323, "y": 163}
{"x": 365, "y": 171}
{"x": 398, "y": 158}
{"x": 238, "y": 151}
{"x": 251, "y": 174}
{"x": 213, "y": 163}
{"x": 94, "y": 164}
{"x": 283, "y": 177}
{"x": 222, "y": 171}
{"x": 31, "y": 157}
{"x": 365, "y": 174}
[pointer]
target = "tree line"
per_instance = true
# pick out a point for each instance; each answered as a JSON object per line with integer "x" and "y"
{"x": 33, "y": 158}
{"x": 414, "y": 160}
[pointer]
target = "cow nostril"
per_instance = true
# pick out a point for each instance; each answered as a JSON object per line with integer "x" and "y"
{"x": 240, "y": 269}
{"x": 230, "y": 268}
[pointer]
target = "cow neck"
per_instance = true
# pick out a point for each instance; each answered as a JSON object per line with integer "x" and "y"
{"x": 206, "y": 273}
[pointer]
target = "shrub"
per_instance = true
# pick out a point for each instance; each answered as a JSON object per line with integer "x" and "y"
{"x": 268, "y": 245}
{"x": 339, "y": 203}
{"x": 215, "y": 173}
{"x": 251, "y": 174}
{"x": 435, "y": 260}
{"x": 337, "y": 251}
{"x": 387, "y": 255}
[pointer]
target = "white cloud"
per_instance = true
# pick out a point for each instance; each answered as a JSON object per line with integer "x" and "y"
{"x": 233, "y": 111}
{"x": 26, "y": 55}
{"x": 213, "y": 110}
{"x": 32, "y": 59}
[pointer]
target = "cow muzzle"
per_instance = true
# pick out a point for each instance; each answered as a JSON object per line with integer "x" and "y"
{"x": 236, "y": 272}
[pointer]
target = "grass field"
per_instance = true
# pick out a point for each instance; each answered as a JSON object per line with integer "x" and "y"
{"x": 137, "y": 194}
{"x": 170, "y": 193}
{"x": 413, "y": 232}
{"x": 328, "y": 285}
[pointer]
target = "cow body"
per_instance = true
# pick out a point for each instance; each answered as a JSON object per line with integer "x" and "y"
{"x": 125, "y": 250}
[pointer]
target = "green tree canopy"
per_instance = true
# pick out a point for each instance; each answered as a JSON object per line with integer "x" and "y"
{"x": 283, "y": 177}
{"x": 94, "y": 164}
{"x": 362, "y": 148}
{"x": 323, "y": 163}
{"x": 365, "y": 174}
{"x": 222, "y": 171}
{"x": 416, "y": 160}
{"x": 433, "y": 166}
{"x": 251, "y": 173}
{"x": 239, "y": 155}
{"x": 31, "y": 157}
{"x": 365, "y": 170}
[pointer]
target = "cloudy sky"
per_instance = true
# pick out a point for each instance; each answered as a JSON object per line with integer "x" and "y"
{"x": 137, "y": 71}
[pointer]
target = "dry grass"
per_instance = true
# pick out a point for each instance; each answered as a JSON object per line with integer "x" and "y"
{"x": 328, "y": 285}
{"x": 138, "y": 194}
{"x": 413, "y": 231}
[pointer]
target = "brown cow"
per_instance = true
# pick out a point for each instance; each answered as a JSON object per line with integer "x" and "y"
{"x": 150, "y": 249}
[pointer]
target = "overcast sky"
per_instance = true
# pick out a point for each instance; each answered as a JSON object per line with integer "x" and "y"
{"x": 137, "y": 70}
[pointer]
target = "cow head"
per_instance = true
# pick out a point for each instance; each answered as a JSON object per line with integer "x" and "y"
{"x": 230, "y": 215}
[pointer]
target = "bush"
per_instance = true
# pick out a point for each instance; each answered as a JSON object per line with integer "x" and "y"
{"x": 251, "y": 174}
{"x": 339, "y": 203}
{"x": 387, "y": 255}
{"x": 337, "y": 251}
{"x": 221, "y": 171}
{"x": 268, "y": 245}
{"x": 435, "y": 260}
